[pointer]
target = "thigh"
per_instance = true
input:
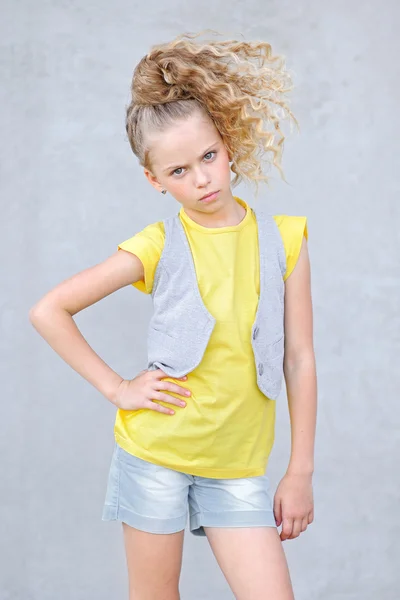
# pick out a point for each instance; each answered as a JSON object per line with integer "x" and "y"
{"x": 146, "y": 496}
{"x": 151, "y": 501}
{"x": 253, "y": 562}
{"x": 154, "y": 564}
{"x": 241, "y": 502}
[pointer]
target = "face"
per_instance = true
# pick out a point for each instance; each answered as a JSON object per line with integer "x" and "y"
{"x": 189, "y": 160}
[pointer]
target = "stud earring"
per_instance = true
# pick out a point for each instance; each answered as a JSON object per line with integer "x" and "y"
{"x": 163, "y": 191}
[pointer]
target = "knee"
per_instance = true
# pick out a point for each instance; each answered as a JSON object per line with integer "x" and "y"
{"x": 169, "y": 591}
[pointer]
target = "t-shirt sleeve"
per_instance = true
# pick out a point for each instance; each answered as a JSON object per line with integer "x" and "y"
{"x": 292, "y": 229}
{"x": 147, "y": 245}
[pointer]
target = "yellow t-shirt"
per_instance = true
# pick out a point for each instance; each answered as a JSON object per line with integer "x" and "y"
{"x": 227, "y": 428}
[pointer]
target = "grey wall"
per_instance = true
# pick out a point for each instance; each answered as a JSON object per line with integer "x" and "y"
{"x": 71, "y": 191}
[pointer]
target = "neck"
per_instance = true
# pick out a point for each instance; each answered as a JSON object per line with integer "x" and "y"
{"x": 230, "y": 213}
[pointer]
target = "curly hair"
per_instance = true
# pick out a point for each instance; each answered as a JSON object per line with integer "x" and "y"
{"x": 240, "y": 85}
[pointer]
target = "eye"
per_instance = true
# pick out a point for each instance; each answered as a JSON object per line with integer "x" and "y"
{"x": 175, "y": 172}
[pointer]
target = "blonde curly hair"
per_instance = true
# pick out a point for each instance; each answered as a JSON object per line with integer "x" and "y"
{"x": 240, "y": 85}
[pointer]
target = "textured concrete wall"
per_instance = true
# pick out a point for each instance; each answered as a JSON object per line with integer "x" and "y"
{"x": 71, "y": 191}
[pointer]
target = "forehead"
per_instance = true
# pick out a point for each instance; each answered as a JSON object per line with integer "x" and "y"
{"x": 183, "y": 141}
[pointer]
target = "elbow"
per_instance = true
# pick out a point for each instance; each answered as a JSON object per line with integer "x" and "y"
{"x": 39, "y": 312}
{"x": 35, "y": 313}
{"x": 32, "y": 313}
{"x": 298, "y": 360}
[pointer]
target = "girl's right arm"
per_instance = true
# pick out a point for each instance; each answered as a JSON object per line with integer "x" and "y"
{"x": 52, "y": 317}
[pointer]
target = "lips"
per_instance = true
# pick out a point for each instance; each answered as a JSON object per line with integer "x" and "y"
{"x": 209, "y": 196}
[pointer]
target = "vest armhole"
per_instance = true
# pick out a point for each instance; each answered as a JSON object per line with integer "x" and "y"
{"x": 167, "y": 241}
{"x": 270, "y": 222}
{"x": 281, "y": 250}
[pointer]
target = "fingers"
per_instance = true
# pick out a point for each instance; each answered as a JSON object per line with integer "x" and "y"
{"x": 171, "y": 387}
{"x": 292, "y": 528}
{"x": 287, "y": 529}
{"x": 167, "y": 398}
{"x": 155, "y": 392}
{"x": 158, "y": 407}
{"x": 160, "y": 385}
{"x": 297, "y": 523}
{"x": 278, "y": 513}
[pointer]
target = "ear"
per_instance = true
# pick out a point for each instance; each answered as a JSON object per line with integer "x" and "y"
{"x": 153, "y": 180}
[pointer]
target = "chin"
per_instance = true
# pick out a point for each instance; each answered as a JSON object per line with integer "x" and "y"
{"x": 213, "y": 207}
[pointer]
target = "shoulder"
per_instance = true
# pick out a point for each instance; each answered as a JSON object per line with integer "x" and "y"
{"x": 293, "y": 229}
{"x": 147, "y": 245}
{"x": 152, "y": 234}
{"x": 291, "y": 225}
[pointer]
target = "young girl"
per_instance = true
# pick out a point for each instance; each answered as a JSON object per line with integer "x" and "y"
{"x": 232, "y": 316}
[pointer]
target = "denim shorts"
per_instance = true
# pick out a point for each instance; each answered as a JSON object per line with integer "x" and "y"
{"x": 156, "y": 499}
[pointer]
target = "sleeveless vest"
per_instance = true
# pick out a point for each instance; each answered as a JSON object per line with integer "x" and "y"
{"x": 181, "y": 325}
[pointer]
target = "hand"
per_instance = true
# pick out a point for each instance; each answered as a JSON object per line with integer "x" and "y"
{"x": 294, "y": 505}
{"x": 142, "y": 391}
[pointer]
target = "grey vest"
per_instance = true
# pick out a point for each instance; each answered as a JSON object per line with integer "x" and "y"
{"x": 181, "y": 325}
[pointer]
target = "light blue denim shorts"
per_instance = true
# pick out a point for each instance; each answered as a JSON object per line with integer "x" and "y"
{"x": 156, "y": 499}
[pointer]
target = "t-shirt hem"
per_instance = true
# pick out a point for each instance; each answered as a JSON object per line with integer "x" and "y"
{"x": 211, "y": 473}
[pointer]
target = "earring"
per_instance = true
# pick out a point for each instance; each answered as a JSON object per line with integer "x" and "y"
{"x": 163, "y": 191}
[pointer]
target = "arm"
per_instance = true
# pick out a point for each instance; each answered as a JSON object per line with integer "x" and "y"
{"x": 293, "y": 503}
{"x": 299, "y": 366}
{"x": 52, "y": 316}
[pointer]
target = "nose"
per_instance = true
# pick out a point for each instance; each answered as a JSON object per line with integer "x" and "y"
{"x": 201, "y": 177}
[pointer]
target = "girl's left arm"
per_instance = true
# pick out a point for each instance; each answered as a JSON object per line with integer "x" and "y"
{"x": 293, "y": 503}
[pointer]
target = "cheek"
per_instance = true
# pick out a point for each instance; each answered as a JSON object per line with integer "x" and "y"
{"x": 177, "y": 187}
{"x": 224, "y": 166}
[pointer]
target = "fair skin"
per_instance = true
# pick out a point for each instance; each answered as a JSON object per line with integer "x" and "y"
{"x": 191, "y": 163}
{"x": 252, "y": 559}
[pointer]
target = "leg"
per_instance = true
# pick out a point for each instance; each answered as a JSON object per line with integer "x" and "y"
{"x": 151, "y": 502}
{"x": 253, "y": 562}
{"x": 154, "y": 564}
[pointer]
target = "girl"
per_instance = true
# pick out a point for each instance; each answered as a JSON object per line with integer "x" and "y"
{"x": 232, "y": 316}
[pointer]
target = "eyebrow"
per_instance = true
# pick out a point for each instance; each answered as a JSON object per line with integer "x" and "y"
{"x": 171, "y": 167}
